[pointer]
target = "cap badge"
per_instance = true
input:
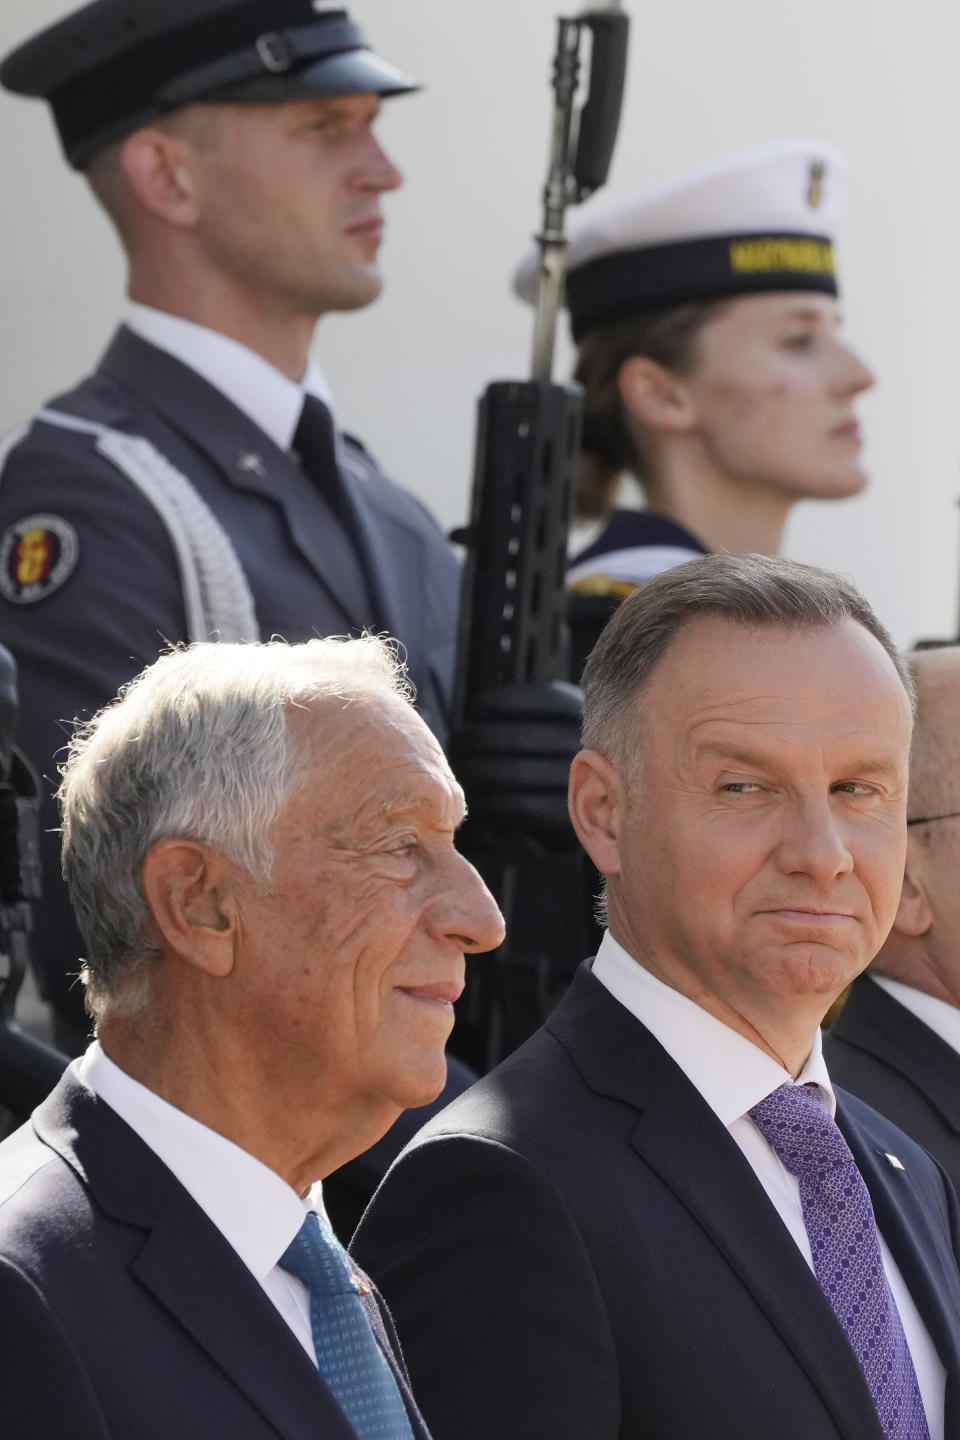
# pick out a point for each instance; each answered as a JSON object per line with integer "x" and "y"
{"x": 818, "y": 171}
{"x": 274, "y": 53}
{"x": 37, "y": 556}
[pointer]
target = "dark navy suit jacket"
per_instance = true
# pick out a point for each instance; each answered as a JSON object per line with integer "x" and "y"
{"x": 125, "y": 1315}
{"x": 883, "y": 1053}
{"x": 75, "y": 646}
{"x": 576, "y": 1248}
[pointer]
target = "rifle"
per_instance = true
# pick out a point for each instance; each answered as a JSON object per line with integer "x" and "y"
{"x": 515, "y": 716}
{"x": 28, "y": 1069}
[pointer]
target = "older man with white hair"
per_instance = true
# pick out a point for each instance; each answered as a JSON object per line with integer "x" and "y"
{"x": 259, "y": 842}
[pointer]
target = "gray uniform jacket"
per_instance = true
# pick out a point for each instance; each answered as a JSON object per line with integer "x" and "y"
{"x": 91, "y": 586}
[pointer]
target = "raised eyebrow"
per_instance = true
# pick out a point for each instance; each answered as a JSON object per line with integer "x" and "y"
{"x": 863, "y": 766}
{"x": 739, "y": 753}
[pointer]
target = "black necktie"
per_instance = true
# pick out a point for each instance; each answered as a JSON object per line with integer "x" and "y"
{"x": 314, "y": 441}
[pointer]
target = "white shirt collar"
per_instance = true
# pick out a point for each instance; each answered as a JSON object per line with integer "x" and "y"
{"x": 730, "y": 1072}
{"x": 257, "y": 1213}
{"x": 942, "y": 1017}
{"x": 254, "y": 385}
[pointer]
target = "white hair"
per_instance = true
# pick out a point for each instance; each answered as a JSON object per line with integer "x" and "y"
{"x": 195, "y": 747}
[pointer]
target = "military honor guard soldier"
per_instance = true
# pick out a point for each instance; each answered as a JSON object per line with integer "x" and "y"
{"x": 196, "y": 484}
{"x": 718, "y": 389}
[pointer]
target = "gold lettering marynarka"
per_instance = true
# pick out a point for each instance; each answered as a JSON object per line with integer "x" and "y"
{"x": 812, "y": 257}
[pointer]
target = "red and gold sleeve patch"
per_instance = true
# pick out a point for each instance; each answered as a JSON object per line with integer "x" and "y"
{"x": 37, "y": 556}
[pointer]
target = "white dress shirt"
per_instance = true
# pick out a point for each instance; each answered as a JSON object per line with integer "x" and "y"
{"x": 942, "y": 1017}
{"x": 256, "y": 1212}
{"x": 733, "y": 1075}
{"x": 254, "y": 385}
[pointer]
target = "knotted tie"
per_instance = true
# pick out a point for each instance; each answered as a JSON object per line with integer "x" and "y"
{"x": 348, "y": 1355}
{"x": 315, "y": 443}
{"x": 346, "y": 566}
{"x": 842, "y": 1231}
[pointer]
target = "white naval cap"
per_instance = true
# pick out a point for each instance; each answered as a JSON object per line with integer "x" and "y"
{"x": 760, "y": 219}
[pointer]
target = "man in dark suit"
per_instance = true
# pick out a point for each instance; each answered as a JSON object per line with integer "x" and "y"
{"x": 657, "y": 1219}
{"x": 196, "y": 484}
{"x": 258, "y": 840}
{"x": 896, "y": 1043}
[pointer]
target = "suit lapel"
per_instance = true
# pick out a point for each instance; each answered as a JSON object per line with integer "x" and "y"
{"x": 710, "y": 1177}
{"x": 189, "y": 1268}
{"x": 873, "y": 1021}
{"x": 927, "y": 1266}
{"x": 231, "y": 1319}
{"x": 390, "y": 1345}
{"x": 246, "y": 457}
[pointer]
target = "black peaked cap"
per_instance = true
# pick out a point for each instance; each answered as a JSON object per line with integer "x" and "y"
{"x": 116, "y": 64}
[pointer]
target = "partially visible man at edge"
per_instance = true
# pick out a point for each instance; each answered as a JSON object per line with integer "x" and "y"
{"x": 195, "y": 486}
{"x": 896, "y": 1043}
{"x": 657, "y": 1220}
{"x": 259, "y": 841}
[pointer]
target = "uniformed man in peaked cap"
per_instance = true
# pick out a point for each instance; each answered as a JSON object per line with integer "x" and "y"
{"x": 196, "y": 484}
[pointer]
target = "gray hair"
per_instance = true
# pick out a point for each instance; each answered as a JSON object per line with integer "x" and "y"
{"x": 196, "y": 747}
{"x": 745, "y": 589}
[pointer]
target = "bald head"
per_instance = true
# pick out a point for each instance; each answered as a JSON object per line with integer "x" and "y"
{"x": 935, "y": 762}
{"x": 923, "y": 948}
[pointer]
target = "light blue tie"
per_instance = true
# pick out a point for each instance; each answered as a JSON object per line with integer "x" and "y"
{"x": 348, "y": 1355}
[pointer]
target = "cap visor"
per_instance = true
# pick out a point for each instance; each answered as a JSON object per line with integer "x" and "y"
{"x": 353, "y": 72}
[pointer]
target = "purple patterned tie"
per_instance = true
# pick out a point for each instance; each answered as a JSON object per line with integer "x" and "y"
{"x": 842, "y": 1231}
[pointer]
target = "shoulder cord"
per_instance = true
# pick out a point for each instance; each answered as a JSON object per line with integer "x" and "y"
{"x": 216, "y": 595}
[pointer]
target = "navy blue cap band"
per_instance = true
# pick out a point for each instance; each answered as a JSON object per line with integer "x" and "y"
{"x": 624, "y": 282}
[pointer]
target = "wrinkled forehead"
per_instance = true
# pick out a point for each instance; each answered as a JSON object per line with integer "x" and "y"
{"x": 819, "y": 677}
{"x": 369, "y": 752}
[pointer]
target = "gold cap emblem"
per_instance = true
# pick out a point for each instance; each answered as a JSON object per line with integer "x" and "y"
{"x": 815, "y": 180}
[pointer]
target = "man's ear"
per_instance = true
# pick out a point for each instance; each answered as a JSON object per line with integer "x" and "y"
{"x": 160, "y": 170}
{"x": 596, "y": 797}
{"x": 190, "y": 890}
{"x": 914, "y": 916}
{"x": 655, "y": 396}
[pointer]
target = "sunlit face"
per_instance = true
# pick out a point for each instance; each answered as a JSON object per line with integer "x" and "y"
{"x": 352, "y": 961}
{"x": 933, "y": 854}
{"x": 761, "y": 846}
{"x": 934, "y": 860}
{"x": 773, "y": 392}
{"x": 290, "y": 202}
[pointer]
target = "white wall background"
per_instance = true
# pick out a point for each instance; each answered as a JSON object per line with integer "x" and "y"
{"x": 875, "y": 77}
